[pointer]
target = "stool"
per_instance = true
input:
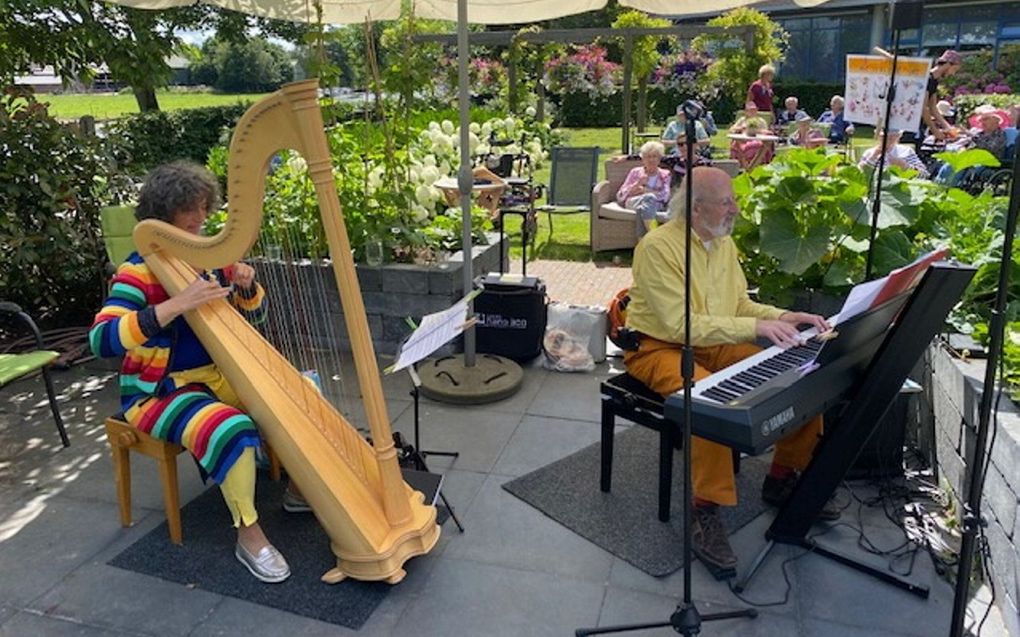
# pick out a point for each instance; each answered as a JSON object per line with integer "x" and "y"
{"x": 626, "y": 397}
{"x": 123, "y": 439}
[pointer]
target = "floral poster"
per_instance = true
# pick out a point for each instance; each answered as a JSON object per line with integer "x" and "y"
{"x": 867, "y": 81}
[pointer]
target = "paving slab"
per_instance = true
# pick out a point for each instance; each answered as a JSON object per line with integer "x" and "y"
{"x": 625, "y": 606}
{"x": 127, "y": 601}
{"x": 35, "y": 625}
{"x": 504, "y": 531}
{"x": 469, "y": 598}
{"x": 479, "y": 435}
{"x": 574, "y": 396}
{"x": 44, "y": 537}
{"x": 539, "y": 441}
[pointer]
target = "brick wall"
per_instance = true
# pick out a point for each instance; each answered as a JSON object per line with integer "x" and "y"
{"x": 954, "y": 391}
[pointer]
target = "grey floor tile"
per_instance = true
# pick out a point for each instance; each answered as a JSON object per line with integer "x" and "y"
{"x": 34, "y": 625}
{"x": 127, "y": 601}
{"x": 822, "y": 628}
{"x": 539, "y": 441}
{"x": 44, "y": 537}
{"x": 624, "y": 606}
{"x": 505, "y": 531}
{"x": 237, "y": 617}
{"x": 460, "y": 488}
{"x": 6, "y": 612}
{"x": 478, "y": 435}
{"x": 468, "y": 598}
{"x": 573, "y": 396}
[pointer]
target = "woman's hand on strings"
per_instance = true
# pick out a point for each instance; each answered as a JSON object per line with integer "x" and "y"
{"x": 198, "y": 293}
{"x": 243, "y": 276}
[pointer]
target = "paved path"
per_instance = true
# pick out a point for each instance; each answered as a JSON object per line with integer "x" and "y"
{"x": 579, "y": 283}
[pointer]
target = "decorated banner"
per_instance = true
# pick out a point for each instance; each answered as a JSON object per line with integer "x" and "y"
{"x": 867, "y": 81}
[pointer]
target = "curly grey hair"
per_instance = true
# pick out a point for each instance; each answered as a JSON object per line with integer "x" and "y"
{"x": 176, "y": 187}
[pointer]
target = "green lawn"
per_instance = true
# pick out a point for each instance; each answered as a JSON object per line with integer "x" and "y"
{"x": 111, "y": 105}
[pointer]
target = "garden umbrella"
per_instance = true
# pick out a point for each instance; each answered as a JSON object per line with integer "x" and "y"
{"x": 461, "y": 11}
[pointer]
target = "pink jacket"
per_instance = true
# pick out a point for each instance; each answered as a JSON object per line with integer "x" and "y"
{"x": 661, "y": 190}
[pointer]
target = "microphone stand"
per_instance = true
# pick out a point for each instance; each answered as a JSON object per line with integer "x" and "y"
{"x": 876, "y": 202}
{"x": 685, "y": 620}
{"x": 972, "y": 519}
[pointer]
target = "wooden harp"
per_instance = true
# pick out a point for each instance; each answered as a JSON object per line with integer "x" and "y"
{"x": 374, "y": 520}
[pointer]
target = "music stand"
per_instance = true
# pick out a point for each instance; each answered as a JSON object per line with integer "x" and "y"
{"x": 434, "y": 331}
{"x": 686, "y": 619}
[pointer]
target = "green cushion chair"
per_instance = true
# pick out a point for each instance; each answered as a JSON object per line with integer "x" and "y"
{"x": 15, "y": 366}
{"x": 118, "y": 222}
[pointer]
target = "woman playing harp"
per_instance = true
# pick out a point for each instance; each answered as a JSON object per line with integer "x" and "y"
{"x": 170, "y": 387}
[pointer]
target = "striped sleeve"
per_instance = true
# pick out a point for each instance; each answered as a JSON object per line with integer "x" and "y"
{"x": 126, "y": 321}
{"x": 251, "y": 303}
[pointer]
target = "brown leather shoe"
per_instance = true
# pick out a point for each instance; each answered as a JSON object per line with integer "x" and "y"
{"x": 710, "y": 543}
{"x": 776, "y": 491}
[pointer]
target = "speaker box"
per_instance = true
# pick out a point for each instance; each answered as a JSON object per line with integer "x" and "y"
{"x": 882, "y": 454}
{"x": 907, "y": 14}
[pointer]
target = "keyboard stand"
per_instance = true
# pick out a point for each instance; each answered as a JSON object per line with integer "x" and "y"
{"x": 920, "y": 320}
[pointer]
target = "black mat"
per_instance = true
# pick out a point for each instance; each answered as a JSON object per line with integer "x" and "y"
{"x": 625, "y": 521}
{"x": 206, "y": 560}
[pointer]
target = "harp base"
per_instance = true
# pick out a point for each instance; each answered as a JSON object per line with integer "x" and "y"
{"x": 448, "y": 380}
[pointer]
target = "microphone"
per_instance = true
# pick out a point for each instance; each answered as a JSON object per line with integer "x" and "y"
{"x": 693, "y": 109}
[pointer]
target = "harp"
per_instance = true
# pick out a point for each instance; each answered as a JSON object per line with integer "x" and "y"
{"x": 374, "y": 520}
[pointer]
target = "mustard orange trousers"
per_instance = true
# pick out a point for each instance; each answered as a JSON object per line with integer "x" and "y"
{"x": 657, "y": 364}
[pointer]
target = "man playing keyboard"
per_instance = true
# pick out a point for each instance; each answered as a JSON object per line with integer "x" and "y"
{"x": 724, "y": 324}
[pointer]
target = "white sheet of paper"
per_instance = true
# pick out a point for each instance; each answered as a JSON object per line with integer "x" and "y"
{"x": 860, "y": 298}
{"x": 434, "y": 331}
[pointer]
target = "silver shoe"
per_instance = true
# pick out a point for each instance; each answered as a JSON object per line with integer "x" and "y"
{"x": 268, "y": 566}
{"x": 295, "y": 504}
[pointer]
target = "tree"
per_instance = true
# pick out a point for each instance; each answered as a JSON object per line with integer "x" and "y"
{"x": 252, "y": 66}
{"x": 734, "y": 68}
{"x": 644, "y": 55}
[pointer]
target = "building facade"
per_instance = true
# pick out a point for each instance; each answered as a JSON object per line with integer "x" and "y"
{"x": 820, "y": 37}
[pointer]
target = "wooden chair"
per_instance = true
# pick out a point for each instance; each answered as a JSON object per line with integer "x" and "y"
{"x": 124, "y": 439}
{"x": 117, "y": 222}
{"x": 15, "y": 366}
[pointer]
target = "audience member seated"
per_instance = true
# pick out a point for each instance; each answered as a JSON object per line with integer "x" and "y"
{"x": 751, "y": 152}
{"x": 676, "y": 133}
{"x": 806, "y": 136}
{"x": 988, "y": 126}
{"x": 710, "y": 126}
{"x": 896, "y": 154}
{"x": 839, "y": 129}
{"x": 646, "y": 188}
{"x": 790, "y": 114}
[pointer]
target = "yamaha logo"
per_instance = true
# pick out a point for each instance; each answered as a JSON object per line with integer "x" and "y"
{"x": 774, "y": 423}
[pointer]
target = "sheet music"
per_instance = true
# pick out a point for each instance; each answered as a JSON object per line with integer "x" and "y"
{"x": 869, "y": 294}
{"x": 434, "y": 331}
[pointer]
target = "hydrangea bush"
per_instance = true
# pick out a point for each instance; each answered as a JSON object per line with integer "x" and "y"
{"x": 388, "y": 196}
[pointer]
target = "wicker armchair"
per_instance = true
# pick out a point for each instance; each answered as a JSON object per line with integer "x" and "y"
{"x": 613, "y": 227}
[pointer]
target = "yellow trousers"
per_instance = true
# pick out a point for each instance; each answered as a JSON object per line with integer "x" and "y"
{"x": 238, "y": 486}
{"x": 657, "y": 364}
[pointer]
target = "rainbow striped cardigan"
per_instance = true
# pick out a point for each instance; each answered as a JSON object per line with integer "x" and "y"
{"x": 126, "y": 326}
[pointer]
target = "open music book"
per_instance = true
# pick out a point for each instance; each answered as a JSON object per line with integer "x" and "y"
{"x": 871, "y": 294}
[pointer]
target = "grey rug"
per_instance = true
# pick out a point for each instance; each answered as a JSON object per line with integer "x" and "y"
{"x": 625, "y": 521}
{"x": 206, "y": 560}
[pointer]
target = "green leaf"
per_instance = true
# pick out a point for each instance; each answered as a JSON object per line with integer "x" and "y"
{"x": 892, "y": 250}
{"x": 797, "y": 248}
{"x": 969, "y": 159}
{"x": 796, "y": 189}
{"x": 840, "y": 274}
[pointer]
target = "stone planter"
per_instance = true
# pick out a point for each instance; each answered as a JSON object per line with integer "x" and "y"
{"x": 391, "y": 292}
{"x": 954, "y": 388}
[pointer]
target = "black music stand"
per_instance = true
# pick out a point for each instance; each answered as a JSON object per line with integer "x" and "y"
{"x": 921, "y": 318}
{"x": 686, "y": 619}
{"x": 415, "y": 454}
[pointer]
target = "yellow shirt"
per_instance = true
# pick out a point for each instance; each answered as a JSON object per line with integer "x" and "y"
{"x": 721, "y": 311}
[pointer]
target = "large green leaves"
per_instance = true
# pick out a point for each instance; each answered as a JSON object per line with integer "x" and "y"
{"x": 795, "y": 244}
{"x": 969, "y": 159}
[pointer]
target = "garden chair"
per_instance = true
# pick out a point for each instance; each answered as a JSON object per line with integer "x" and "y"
{"x": 573, "y": 174}
{"x": 16, "y": 366}
{"x": 118, "y": 222}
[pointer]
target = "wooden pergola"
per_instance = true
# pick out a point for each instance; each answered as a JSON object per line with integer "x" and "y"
{"x": 581, "y": 36}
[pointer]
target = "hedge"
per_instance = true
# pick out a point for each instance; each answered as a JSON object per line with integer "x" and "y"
{"x": 578, "y": 110}
{"x": 151, "y": 139}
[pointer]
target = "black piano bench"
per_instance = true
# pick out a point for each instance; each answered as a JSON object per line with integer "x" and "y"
{"x": 623, "y": 396}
